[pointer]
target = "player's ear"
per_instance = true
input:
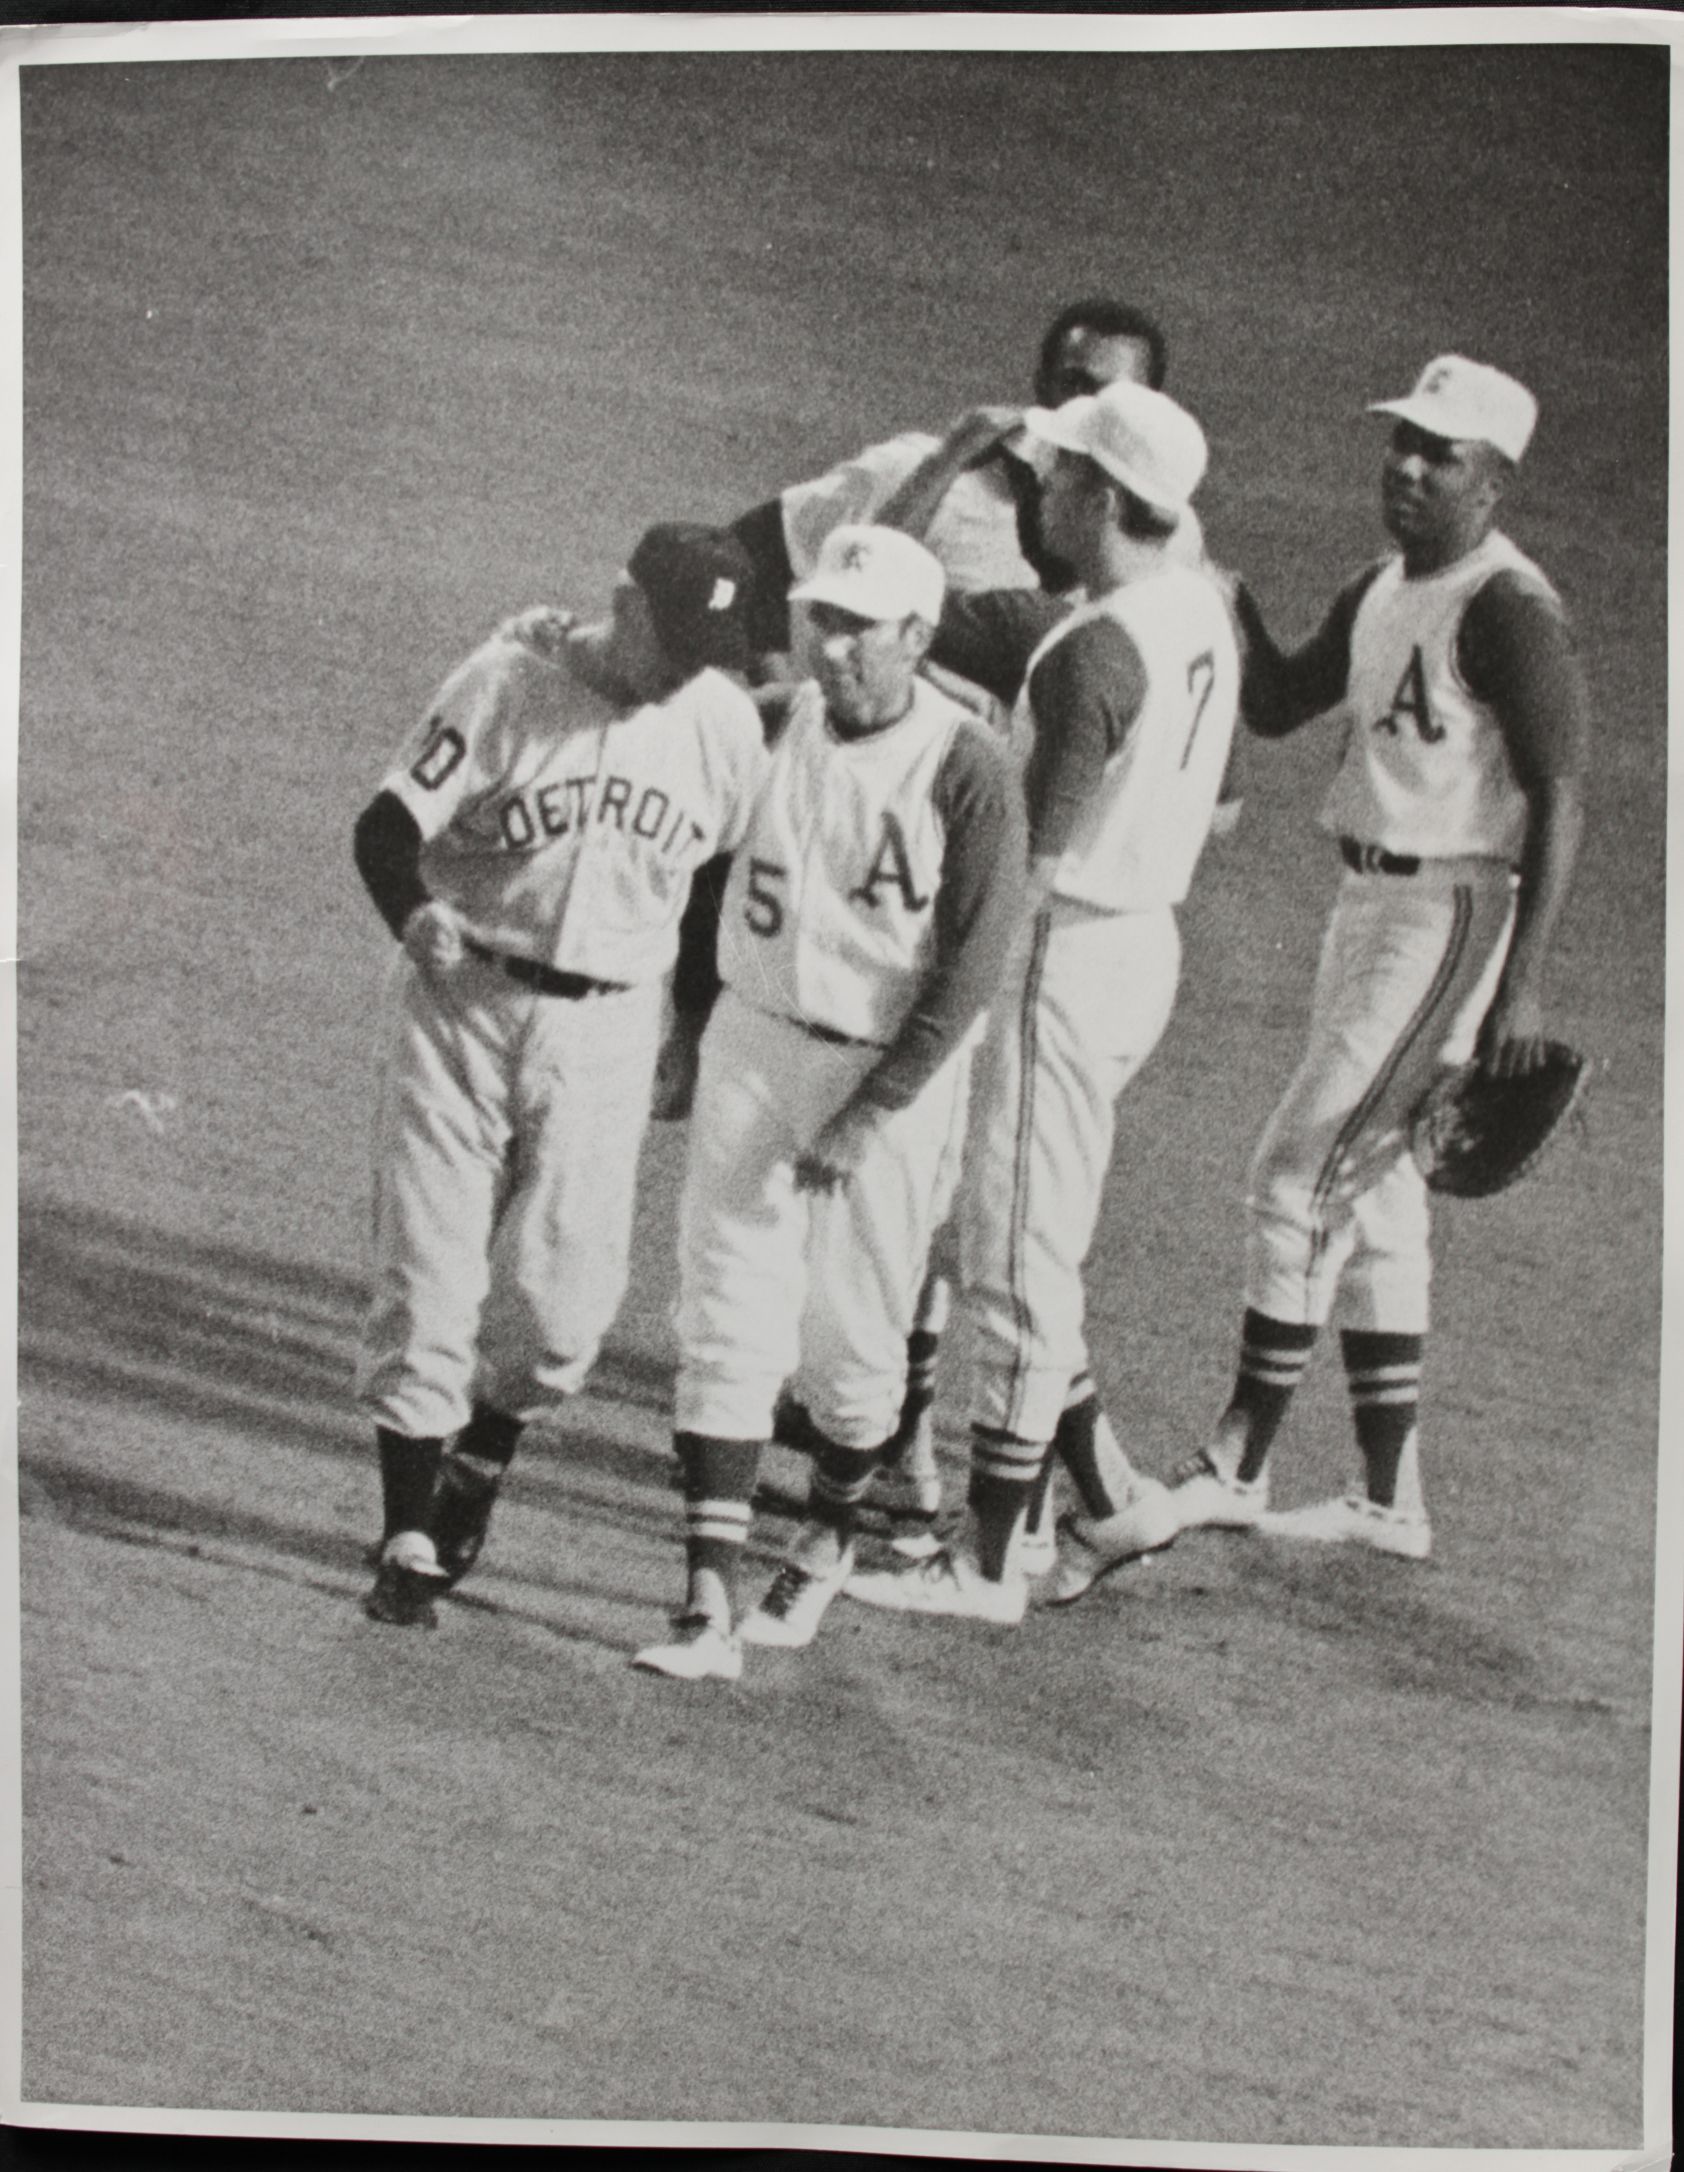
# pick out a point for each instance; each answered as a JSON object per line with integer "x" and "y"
{"x": 917, "y": 634}
{"x": 1495, "y": 468}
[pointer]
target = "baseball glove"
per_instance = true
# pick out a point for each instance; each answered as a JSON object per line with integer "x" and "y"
{"x": 1473, "y": 1134}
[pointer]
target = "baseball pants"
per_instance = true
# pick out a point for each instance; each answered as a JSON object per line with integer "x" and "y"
{"x": 506, "y": 1153}
{"x": 776, "y": 1284}
{"x": 1084, "y": 1003}
{"x": 1336, "y": 1206}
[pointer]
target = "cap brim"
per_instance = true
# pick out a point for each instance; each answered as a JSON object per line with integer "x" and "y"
{"x": 1053, "y": 426}
{"x": 836, "y": 593}
{"x": 1049, "y": 424}
{"x": 1422, "y": 413}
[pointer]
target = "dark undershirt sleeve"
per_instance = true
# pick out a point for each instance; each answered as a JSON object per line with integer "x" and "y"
{"x": 760, "y": 531}
{"x": 976, "y": 911}
{"x": 1085, "y": 695}
{"x": 1515, "y": 651}
{"x": 695, "y": 978}
{"x": 387, "y": 846}
{"x": 1055, "y": 575}
{"x": 1279, "y": 690}
{"x": 989, "y": 637}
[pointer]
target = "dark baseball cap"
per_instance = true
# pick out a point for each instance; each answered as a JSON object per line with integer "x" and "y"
{"x": 698, "y": 582}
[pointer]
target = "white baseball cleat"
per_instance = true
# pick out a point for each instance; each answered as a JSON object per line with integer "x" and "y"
{"x": 1355, "y": 1521}
{"x": 704, "y": 1650}
{"x": 949, "y": 1582}
{"x": 1095, "y": 1546}
{"x": 1203, "y": 1494}
{"x": 795, "y": 1603}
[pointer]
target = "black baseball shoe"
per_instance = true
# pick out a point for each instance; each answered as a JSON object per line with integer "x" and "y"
{"x": 403, "y": 1597}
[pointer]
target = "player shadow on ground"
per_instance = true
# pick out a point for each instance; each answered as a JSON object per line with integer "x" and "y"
{"x": 101, "y": 1505}
{"x": 204, "y": 1330}
{"x": 117, "y": 1314}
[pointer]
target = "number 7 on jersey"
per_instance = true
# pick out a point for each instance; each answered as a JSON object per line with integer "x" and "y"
{"x": 1201, "y": 677}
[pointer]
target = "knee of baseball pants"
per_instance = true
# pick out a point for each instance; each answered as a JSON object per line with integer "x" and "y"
{"x": 1388, "y": 1275}
{"x": 867, "y": 1245}
{"x": 562, "y": 1254}
{"x": 1297, "y": 1241}
{"x": 438, "y": 1170}
{"x": 741, "y": 1240}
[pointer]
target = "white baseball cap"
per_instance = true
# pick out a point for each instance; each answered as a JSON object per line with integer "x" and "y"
{"x": 877, "y": 573}
{"x": 1140, "y": 437}
{"x": 1456, "y": 398}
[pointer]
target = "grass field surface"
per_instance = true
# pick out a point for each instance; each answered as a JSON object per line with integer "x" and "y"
{"x": 330, "y": 364}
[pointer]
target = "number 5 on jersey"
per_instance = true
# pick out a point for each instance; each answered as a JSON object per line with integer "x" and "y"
{"x": 763, "y": 908}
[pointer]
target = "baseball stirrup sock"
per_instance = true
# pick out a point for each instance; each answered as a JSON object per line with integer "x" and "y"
{"x": 840, "y": 1478}
{"x": 1087, "y": 1448}
{"x": 1273, "y": 1357}
{"x": 1003, "y": 1474}
{"x": 1384, "y": 1374}
{"x": 718, "y": 1478}
{"x": 488, "y": 1441}
{"x": 409, "y": 1476}
{"x": 923, "y": 1348}
{"x": 1035, "y": 1515}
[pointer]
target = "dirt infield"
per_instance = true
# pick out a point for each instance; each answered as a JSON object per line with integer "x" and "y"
{"x": 327, "y": 366}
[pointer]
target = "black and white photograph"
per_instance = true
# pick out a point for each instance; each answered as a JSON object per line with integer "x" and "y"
{"x": 839, "y": 1002}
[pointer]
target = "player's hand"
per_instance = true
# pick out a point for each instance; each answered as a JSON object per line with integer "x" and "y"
{"x": 837, "y": 1152}
{"x": 1226, "y": 820}
{"x": 979, "y": 432}
{"x": 543, "y": 628}
{"x": 675, "y": 1074}
{"x": 1511, "y": 1040}
{"x": 434, "y": 935}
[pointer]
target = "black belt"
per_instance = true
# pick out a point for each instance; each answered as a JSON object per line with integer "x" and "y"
{"x": 544, "y": 979}
{"x": 1371, "y": 860}
{"x": 830, "y": 1036}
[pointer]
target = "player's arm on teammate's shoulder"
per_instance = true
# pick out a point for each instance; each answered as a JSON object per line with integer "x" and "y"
{"x": 1516, "y": 652}
{"x": 542, "y": 628}
{"x": 1281, "y": 689}
{"x": 975, "y": 913}
{"x": 975, "y": 436}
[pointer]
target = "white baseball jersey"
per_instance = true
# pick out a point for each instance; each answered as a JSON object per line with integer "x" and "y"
{"x": 1425, "y": 768}
{"x": 565, "y": 830}
{"x": 1135, "y": 846}
{"x": 827, "y": 917}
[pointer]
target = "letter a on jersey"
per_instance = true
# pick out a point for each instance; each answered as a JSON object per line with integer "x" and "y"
{"x": 1411, "y": 701}
{"x": 893, "y": 863}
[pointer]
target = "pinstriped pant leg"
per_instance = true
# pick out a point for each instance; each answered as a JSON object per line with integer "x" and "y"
{"x": 1407, "y": 969}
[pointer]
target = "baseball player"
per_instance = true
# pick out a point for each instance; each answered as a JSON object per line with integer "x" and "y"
{"x": 983, "y": 519}
{"x": 1457, "y": 813}
{"x": 864, "y": 927}
{"x": 973, "y": 497}
{"x": 532, "y": 850}
{"x": 1127, "y": 704}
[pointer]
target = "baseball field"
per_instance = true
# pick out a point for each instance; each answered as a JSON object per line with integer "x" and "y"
{"x": 328, "y": 365}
